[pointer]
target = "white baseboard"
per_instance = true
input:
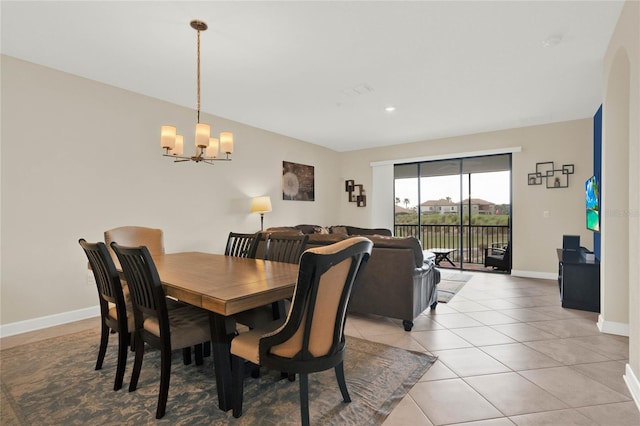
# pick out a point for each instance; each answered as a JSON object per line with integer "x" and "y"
{"x": 48, "y": 321}
{"x": 534, "y": 274}
{"x": 633, "y": 384}
{"x": 611, "y": 327}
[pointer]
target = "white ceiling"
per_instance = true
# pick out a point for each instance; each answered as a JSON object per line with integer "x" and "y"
{"x": 295, "y": 68}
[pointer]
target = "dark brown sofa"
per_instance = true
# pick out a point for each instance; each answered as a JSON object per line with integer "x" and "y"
{"x": 399, "y": 280}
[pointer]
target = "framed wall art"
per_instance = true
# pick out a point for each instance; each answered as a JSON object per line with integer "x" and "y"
{"x": 298, "y": 182}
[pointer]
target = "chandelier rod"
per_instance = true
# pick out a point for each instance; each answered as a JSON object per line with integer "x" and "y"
{"x": 198, "y": 76}
{"x": 198, "y": 26}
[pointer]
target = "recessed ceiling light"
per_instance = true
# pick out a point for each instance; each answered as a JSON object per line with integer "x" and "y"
{"x": 390, "y": 108}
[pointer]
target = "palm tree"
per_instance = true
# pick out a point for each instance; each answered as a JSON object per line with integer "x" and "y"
{"x": 397, "y": 200}
{"x": 406, "y": 202}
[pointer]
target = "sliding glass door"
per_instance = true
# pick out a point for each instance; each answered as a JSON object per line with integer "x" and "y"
{"x": 456, "y": 207}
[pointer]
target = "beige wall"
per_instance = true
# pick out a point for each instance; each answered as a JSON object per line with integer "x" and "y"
{"x": 79, "y": 157}
{"x": 621, "y": 204}
{"x": 535, "y": 237}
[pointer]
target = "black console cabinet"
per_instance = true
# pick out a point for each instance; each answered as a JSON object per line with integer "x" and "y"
{"x": 579, "y": 281}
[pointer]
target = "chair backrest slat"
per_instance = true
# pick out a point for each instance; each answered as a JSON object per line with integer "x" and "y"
{"x": 285, "y": 247}
{"x": 242, "y": 245}
{"x": 106, "y": 277}
{"x": 144, "y": 283}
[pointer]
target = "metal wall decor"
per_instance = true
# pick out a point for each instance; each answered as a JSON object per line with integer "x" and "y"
{"x": 360, "y": 198}
{"x": 552, "y": 177}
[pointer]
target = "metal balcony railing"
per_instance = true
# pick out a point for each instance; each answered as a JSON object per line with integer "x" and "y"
{"x": 474, "y": 238}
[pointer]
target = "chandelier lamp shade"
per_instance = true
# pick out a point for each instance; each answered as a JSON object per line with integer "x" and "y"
{"x": 261, "y": 205}
{"x": 208, "y": 149}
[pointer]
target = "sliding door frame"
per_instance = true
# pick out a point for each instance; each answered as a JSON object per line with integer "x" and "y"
{"x": 463, "y": 243}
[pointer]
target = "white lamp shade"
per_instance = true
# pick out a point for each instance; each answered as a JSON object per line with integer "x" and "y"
{"x": 261, "y": 204}
{"x": 202, "y": 135}
{"x": 168, "y": 137}
{"x": 226, "y": 143}
{"x": 179, "y": 146}
{"x": 212, "y": 149}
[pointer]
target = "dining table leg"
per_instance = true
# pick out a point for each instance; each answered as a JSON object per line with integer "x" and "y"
{"x": 220, "y": 341}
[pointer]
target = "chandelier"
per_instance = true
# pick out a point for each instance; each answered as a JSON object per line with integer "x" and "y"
{"x": 208, "y": 149}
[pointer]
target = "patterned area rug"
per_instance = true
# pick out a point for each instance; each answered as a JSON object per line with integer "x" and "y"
{"x": 450, "y": 284}
{"x": 54, "y": 382}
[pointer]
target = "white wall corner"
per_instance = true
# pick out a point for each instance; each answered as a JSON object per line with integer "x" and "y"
{"x": 39, "y": 323}
{"x": 382, "y": 213}
{"x": 535, "y": 274}
{"x": 633, "y": 384}
{"x": 611, "y": 327}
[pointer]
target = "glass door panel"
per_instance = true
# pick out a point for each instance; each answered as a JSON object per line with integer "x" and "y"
{"x": 406, "y": 190}
{"x": 457, "y": 206}
{"x": 440, "y": 206}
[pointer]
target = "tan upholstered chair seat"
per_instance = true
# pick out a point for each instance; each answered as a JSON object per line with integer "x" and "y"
{"x": 113, "y": 313}
{"x": 245, "y": 345}
{"x": 189, "y": 326}
{"x": 171, "y": 305}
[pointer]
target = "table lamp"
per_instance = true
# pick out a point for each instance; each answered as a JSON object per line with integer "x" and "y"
{"x": 261, "y": 205}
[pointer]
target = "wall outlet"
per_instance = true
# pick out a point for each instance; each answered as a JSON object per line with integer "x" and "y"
{"x": 91, "y": 280}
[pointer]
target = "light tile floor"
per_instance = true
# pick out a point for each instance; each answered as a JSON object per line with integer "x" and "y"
{"x": 508, "y": 354}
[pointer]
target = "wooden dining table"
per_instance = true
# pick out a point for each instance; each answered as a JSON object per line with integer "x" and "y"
{"x": 224, "y": 285}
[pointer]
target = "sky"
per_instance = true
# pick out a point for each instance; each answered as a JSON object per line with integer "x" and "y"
{"x": 493, "y": 187}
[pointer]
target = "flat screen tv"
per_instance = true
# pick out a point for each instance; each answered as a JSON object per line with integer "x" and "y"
{"x": 592, "y": 193}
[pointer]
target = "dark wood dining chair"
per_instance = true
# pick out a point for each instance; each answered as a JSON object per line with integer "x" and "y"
{"x": 279, "y": 247}
{"x": 283, "y": 247}
{"x": 153, "y": 240}
{"x": 312, "y": 338}
{"x": 242, "y": 245}
{"x": 113, "y": 310}
{"x": 288, "y": 248}
{"x": 154, "y": 324}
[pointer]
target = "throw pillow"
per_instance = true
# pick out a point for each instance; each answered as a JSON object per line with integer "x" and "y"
{"x": 306, "y": 229}
{"x": 338, "y": 230}
{"x": 320, "y": 230}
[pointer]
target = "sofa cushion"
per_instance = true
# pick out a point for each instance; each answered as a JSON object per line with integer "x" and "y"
{"x": 307, "y": 229}
{"x": 354, "y": 230}
{"x": 411, "y": 243}
{"x": 325, "y": 239}
{"x": 286, "y": 229}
